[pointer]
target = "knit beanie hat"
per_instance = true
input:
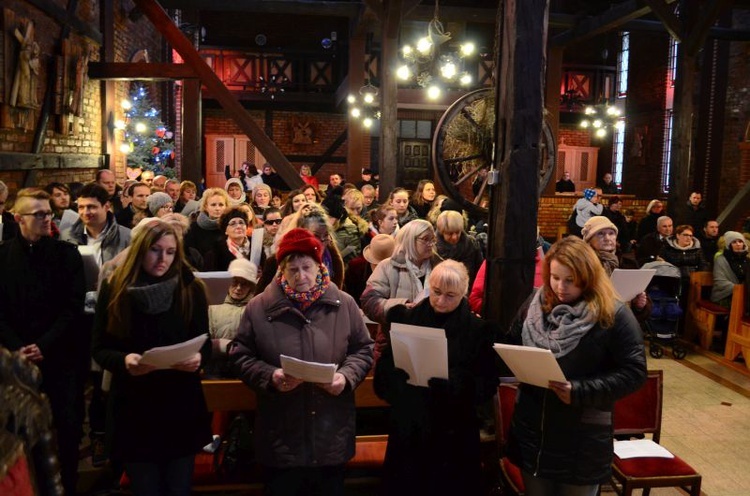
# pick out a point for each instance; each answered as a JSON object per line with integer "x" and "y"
{"x": 596, "y": 224}
{"x": 302, "y": 242}
{"x": 449, "y": 204}
{"x": 157, "y": 200}
{"x": 732, "y": 236}
{"x": 589, "y": 193}
{"x": 241, "y": 267}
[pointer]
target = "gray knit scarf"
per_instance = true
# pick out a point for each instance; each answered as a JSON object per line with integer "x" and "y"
{"x": 154, "y": 298}
{"x": 561, "y": 330}
{"x": 206, "y": 222}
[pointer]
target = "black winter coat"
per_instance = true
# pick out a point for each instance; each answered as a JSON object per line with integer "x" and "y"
{"x": 573, "y": 443}
{"x": 161, "y": 415}
{"x": 433, "y": 441}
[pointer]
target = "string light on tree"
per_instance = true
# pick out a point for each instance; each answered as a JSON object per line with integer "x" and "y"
{"x": 146, "y": 140}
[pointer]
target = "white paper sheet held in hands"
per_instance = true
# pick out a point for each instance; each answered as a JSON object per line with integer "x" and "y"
{"x": 631, "y": 282}
{"x": 308, "y": 371}
{"x": 421, "y": 351}
{"x": 163, "y": 357}
{"x": 534, "y": 366}
{"x": 641, "y": 448}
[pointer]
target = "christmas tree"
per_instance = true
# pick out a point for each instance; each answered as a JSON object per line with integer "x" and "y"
{"x": 147, "y": 142}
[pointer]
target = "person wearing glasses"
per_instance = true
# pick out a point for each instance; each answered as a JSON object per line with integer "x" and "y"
{"x": 42, "y": 288}
{"x": 402, "y": 278}
{"x": 683, "y": 250}
{"x": 159, "y": 204}
{"x": 236, "y": 243}
{"x": 271, "y": 223}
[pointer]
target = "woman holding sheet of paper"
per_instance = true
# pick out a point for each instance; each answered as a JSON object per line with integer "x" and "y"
{"x": 304, "y": 431}
{"x": 561, "y": 436}
{"x": 433, "y": 440}
{"x": 157, "y": 419}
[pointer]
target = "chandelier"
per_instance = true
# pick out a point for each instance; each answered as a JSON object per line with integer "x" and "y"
{"x": 602, "y": 119}
{"x": 432, "y": 66}
{"x": 274, "y": 85}
{"x": 365, "y": 106}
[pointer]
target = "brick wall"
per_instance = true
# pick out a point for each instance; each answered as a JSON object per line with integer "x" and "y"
{"x": 573, "y": 136}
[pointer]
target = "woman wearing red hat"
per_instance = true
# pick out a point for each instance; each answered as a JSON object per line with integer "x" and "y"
{"x": 304, "y": 431}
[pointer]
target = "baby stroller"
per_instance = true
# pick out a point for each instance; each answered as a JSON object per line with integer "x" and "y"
{"x": 662, "y": 326}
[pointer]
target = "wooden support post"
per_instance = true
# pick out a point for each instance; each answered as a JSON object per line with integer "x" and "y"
{"x": 514, "y": 202}
{"x": 552, "y": 104}
{"x": 356, "y": 135}
{"x": 682, "y": 132}
{"x": 192, "y": 139}
{"x": 166, "y": 26}
{"x": 389, "y": 100}
{"x": 108, "y": 88}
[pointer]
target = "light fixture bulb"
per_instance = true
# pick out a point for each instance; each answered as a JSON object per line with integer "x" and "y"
{"x": 368, "y": 98}
{"x": 589, "y": 111}
{"x": 468, "y": 49}
{"x": 403, "y": 73}
{"x": 597, "y": 123}
{"x": 585, "y": 123}
{"x": 611, "y": 110}
{"x": 407, "y": 50}
{"x": 424, "y": 45}
{"x": 433, "y": 92}
{"x": 140, "y": 128}
{"x": 119, "y": 124}
{"x": 126, "y": 104}
{"x": 125, "y": 148}
{"x": 367, "y": 122}
{"x": 356, "y": 112}
{"x": 601, "y": 133}
{"x": 351, "y": 99}
{"x": 465, "y": 79}
{"x": 448, "y": 70}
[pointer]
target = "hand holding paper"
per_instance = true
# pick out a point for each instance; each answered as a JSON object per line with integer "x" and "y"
{"x": 422, "y": 352}
{"x": 308, "y": 371}
{"x": 531, "y": 365}
{"x": 164, "y": 357}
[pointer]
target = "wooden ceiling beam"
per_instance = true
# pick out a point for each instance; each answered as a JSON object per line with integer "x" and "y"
{"x": 671, "y": 22}
{"x": 124, "y": 71}
{"x": 708, "y": 15}
{"x": 166, "y": 26}
{"x": 297, "y": 7}
{"x": 60, "y": 16}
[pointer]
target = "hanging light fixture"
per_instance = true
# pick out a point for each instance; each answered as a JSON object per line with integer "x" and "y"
{"x": 602, "y": 119}
{"x": 430, "y": 65}
{"x": 365, "y": 106}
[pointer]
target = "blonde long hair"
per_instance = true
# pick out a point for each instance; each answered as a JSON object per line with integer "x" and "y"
{"x": 127, "y": 274}
{"x": 589, "y": 275}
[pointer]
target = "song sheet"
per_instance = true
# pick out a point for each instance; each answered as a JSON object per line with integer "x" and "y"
{"x": 308, "y": 371}
{"x": 163, "y": 357}
{"x": 421, "y": 351}
{"x": 531, "y": 365}
{"x": 631, "y": 282}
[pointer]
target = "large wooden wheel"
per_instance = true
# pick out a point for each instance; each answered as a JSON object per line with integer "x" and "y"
{"x": 463, "y": 148}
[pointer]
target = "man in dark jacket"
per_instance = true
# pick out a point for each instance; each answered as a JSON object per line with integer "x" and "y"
{"x": 694, "y": 213}
{"x": 42, "y": 294}
{"x": 650, "y": 246}
{"x": 709, "y": 238}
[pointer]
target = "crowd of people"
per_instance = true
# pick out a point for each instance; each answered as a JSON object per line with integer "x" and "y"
{"x": 306, "y": 266}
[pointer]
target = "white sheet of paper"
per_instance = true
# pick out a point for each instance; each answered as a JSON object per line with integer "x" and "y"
{"x": 163, "y": 357}
{"x": 530, "y": 365}
{"x": 421, "y": 351}
{"x": 641, "y": 448}
{"x": 631, "y": 282}
{"x": 308, "y": 371}
{"x": 90, "y": 266}
{"x": 217, "y": 285}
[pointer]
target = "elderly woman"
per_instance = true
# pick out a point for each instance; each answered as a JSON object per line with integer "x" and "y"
{"x": 683, "y": 250}
{"x": 730, "y": 268}
{"x": 235, "y": 244}
{"x": 157, "y": 418}
{"x": 561, "y": 435}
{"x": 601, "y": 234}
{"x": 224, "y": 319}
{"x": 235, "y": 191}
{"x": 454, "y": 243}
{"x": 304, "y": 431}
{"x": 159, "y": 204}
{"x": 401, "y": 279}
{"x": 433, "y": 443}
{"x": 204, "y": 231}
{"x": 261, "y": 199}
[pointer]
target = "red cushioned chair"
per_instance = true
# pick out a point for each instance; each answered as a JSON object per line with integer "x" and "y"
{"x": 510, "y": 473}
{"x": 640, "y": 413}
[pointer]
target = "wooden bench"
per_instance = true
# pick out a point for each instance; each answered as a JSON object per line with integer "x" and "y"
{"x": 738, "y": 334}
{"x": 231, "y": 395}
{"x": 702, "y": 312}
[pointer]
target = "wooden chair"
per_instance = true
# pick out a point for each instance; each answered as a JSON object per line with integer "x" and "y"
{"x": 640, "y": 413}
{"x": 738, "y": 334}
{"x": 510, "y": 474}
{"x": 702, "y": 312}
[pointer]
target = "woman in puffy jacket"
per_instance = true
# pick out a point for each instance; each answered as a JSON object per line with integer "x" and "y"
{"x": 683, "y": 250}
{"x": 561, "y": 436}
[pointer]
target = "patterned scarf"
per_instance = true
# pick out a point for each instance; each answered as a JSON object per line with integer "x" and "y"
{"x": 239, "y": 251}
{"x": 303, "y": 299}
{"x": 561, "y": 330}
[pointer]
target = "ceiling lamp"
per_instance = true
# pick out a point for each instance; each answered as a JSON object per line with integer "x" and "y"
{"x": 431, "y": 65}
{"x": 602, "y": 119}
{"x": 365, "y": 106}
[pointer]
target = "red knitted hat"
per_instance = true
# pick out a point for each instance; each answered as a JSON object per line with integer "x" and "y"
{"x": 300, "y": 241}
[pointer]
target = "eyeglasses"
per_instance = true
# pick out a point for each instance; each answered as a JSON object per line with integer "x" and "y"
{"x": 41, "y": 215}
{"x": 167, "y": 207}
{"x": 236, "y": 223}
{"x": 686, "y": 235}
{"x": 428, "y": 241}
{"x": 271, "y": 222}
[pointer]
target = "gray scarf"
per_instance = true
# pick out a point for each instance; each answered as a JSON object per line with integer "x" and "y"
{"x": 561, "y": 330}
{"x": 206, "y": 222}
{"x": 154, "y": 298}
